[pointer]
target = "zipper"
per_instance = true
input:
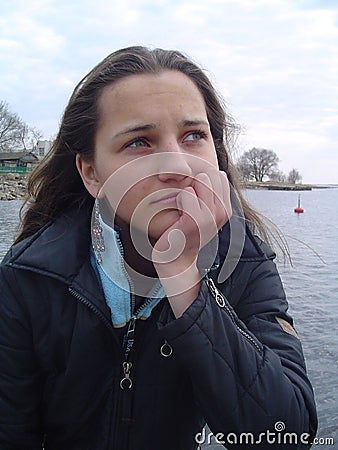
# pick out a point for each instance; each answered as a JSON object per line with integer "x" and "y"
{"x": 149, "y": 299}
{"x": 220, "y": 300}
{"x": 131, "y": 284}
{"x": 121, "y": 435}
{"x": 129, "y": 340}
{"x": 126, "y": 381}
{"x": 129, "y": 337}
{"x": 128, "y": 343}
{"x": 92, "y": 308}
{"x": 108, "y": 324}
{"x": 130, "y": 281}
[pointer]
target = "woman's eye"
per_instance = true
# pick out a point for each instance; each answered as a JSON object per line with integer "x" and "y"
{"x": 138, "y": 143}
{"x": 195, "y": 136}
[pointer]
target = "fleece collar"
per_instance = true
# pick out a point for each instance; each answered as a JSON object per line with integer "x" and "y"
{"x": 116, "y": 283}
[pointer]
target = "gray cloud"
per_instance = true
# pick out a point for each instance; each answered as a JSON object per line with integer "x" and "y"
{"x": 274, "y": 61}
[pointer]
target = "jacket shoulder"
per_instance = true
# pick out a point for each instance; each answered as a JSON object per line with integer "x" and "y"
{"x": 238, "y": 242}
{"x": 58, "y": 249}
{"x": 262, "y": 246}
{"x": 17, "y": 249}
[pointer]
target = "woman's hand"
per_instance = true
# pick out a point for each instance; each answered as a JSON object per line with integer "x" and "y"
{"x": 204, "y": 207}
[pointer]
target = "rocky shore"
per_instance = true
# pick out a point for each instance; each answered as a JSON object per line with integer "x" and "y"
{"x": 277, "y": 186}
{"x": 12, "y": 186}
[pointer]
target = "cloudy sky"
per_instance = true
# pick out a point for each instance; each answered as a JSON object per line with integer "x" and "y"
{"x": 275, "y": 62}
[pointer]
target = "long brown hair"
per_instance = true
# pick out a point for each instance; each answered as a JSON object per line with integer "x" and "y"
{"x": 56, "y": 186}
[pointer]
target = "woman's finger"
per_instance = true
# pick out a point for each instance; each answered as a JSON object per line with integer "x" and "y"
{"x": 204, "y": 191}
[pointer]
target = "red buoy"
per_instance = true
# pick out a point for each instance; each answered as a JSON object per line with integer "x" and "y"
{"x": 298, "y": 210}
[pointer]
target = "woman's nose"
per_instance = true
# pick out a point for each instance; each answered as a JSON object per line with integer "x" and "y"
{"x": 174, "y": 165}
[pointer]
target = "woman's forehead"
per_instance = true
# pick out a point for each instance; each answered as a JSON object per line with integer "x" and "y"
{"x": 142, "y": 94}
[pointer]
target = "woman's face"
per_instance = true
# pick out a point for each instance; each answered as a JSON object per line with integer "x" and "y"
{"x": 153, "y": 138}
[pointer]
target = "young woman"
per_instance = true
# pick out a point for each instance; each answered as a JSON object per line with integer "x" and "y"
{"x": 137, "y": 304}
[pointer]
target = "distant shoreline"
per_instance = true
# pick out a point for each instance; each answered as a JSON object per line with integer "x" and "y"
{"x": 280, "y": 186}
{"x": 13, "y": 186}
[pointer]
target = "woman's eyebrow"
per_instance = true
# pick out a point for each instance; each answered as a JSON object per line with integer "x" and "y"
{"x": 152, "y": 126}
{"x": 193, "y": 123}
{"x": 136, "y": 129}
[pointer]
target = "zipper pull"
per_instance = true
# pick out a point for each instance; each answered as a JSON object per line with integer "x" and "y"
{"x": 166, "y": 349}
{"x": 215, "y": 292}
{"x": 129, "y": 337}
{"x": 126, "y": 381}
{"x": 128, "y": 342}
{"x": 131, "y": 326}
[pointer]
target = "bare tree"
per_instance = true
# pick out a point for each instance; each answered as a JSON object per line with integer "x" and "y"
{"x": 294, "y": 176}
{"x": 15, "y": 134}
{"x": 243, "y": 169}
{"x": 277, "y": 175}
{"x": 24, "y": 135}
{"x": 258, "y": 163}
{"x": 11, "y": 129}
{"x": 31, "y": 137}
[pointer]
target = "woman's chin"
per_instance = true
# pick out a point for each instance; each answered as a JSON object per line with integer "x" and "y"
{"x": 161, "y": 222}
{"x": 153, "y": 228}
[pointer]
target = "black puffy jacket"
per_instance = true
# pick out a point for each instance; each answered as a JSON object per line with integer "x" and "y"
{"x": 232, "y": 364}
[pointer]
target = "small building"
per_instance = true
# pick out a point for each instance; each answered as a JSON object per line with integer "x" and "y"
{"x": 42, "y": 148}
{"x": 17, "y": 161}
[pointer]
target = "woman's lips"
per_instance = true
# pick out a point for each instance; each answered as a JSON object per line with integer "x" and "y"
{"x": 167, "y": 199}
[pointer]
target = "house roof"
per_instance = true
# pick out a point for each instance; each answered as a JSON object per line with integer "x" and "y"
{"x": 14, "y": 156}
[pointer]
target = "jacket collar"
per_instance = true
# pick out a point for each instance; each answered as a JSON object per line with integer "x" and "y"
{"x": 61, "y": 248}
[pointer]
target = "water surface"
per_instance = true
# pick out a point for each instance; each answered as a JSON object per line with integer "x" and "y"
{"x": 311, "y": 283}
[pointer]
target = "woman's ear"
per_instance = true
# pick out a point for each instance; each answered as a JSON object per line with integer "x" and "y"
{"x": 88, "y": 175}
